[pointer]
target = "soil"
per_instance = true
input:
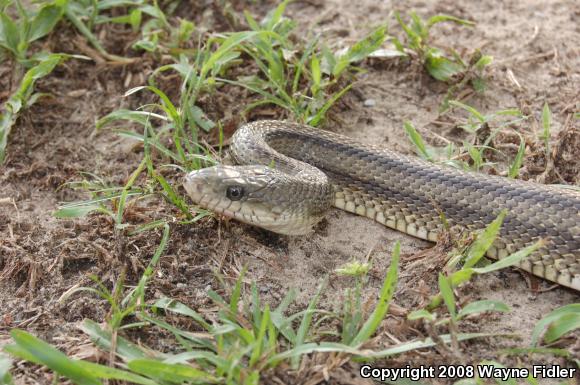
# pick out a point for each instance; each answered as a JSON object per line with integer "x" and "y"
{"x": 536, "y": 60}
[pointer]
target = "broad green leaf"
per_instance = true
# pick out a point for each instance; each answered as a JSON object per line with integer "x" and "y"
{"x": 361, "y": 50}
{"x": 484, "y": 240}
{"x": 20, "y": 98}
{"x": 482, "y": 306}
{"x": 440, "y": 67}
{"x": 573, "y": 308}
{"x": 125, "y": 349}
{"x": 105, "y": 372}
{"x": 76, "y": 211}
{"x": 564, "y": 324}
{"x": 174, "y": 373}
{"x": 483, "y": 62}
{"x": 386, "y": 53}
{"x": 461, "y": 276}
{"x": 44, "y": 21}
{"x": 510, "y": 260}
{"x": 177, "y": 307}
{"x": 201, "y": 118}
{"x": 275, "y": 16}
{"x": 9, "y": 34}
{"x": 40, "y": 352}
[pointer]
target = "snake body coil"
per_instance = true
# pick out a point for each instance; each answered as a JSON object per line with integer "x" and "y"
{"x": 290, "y": 175}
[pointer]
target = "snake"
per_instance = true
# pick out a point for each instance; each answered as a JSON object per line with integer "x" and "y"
{"x": 286, "y": 176}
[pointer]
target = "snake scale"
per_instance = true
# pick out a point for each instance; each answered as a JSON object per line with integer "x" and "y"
{"x": 287, "y": 176}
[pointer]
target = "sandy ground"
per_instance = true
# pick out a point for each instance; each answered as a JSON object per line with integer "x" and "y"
{"x": 537, "y": 60}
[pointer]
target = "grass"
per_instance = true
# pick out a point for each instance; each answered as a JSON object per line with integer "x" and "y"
{"x": 16, "y": 35}
{"x": 439, "y": 65}
{"x": 247, "y": 338}
{"x": 481, "y": 129}
{"x": 245, "y": 341}
{"x": 307, "y": 84}
{"x": 24, "y": 97}
{"x": 301, "y": 84}
{"x": 445, "y": 65}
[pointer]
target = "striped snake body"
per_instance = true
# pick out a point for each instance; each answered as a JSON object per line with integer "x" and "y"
{"x": 289, "y": 175}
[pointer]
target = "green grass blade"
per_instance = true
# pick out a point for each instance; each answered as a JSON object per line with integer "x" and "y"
{"x": 476, "y": 114}
{"x": 177, "y": 307}
{"x": 417, "y": 140}
{"x": 125, "y": 349}
{"x": 510, "y": 260}
{"x": 40, "y": 352}
{"x": 187, "y": 339}
{"x": 369, "y": 354}
{"x": 561, "y": 326}
{"x": 198, "y": 355}
{"x": 484, "y": 241}
{"x": 43, "y": 23}
{"x": 386, "y": 294}
{"x": 233, "y": 41}
{"x": 422, "y": 344}
{"x": 5, "y": 376}
{"x": 173, "y": 373}
{"x": 18, "y": 100}
{"x": 483, "y": 306}
{"x": 573, "y": 308}
{"x": 306, "y": 321}
{"x": 126, "y": 190}
{"x": 172, "y": 196}
{"x": 76, "y": 21}
{"x": 441, "y": 18}
{"x": 317, "y": 119}
{"x": 259, "y": 342}
{"x": 78, "y": 211}
{"x": 236, "y": 294}
{"x": 546, "y": 126}
{"x": 514, "y": 169}
{"x": 447, "y": 295}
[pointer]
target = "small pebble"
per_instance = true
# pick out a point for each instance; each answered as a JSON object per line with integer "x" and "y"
{"x": 369, "y": 103}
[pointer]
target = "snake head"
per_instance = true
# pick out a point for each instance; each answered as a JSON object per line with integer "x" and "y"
{"x": 257, "y": 195}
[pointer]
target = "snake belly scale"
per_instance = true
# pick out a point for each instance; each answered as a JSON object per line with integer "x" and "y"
{"x": 288, "y": 175}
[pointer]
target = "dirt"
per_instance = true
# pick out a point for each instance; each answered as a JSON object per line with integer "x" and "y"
{"x": 537, "y": 60}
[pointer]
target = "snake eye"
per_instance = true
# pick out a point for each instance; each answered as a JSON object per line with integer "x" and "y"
{"x": 235, "y": 193}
